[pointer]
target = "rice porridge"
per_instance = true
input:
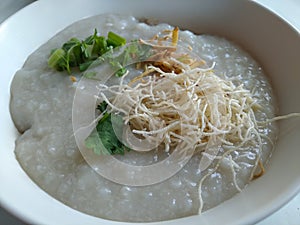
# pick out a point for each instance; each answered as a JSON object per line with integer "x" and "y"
{"x": 41, "y": 108}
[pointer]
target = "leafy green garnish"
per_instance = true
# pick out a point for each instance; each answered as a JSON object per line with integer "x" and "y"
{"x": 95, "y": 50}
{"x": 56, "y": 59}
{"x": 82, "y": 54}
{"x": 115, "y": 40}
{"x": 102, "y": 106}
{"x": 104, "y": 133}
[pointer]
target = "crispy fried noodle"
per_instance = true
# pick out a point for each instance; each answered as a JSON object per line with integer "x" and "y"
{"x": 188, "y": 106}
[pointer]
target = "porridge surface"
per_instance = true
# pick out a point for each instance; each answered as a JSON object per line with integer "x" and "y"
{"x": 41, "y": 107}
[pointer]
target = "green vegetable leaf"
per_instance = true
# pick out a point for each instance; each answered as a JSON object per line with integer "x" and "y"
{"x": 102, "y": 106}
{"x": 103, "y": 139}
{"x": 81, "y": 54}
{"x": 93, "y": 142}
{"x": 57, "y": 59}
{"x": 108, "y": 136}
{"x": 84, "y": 66}
{"x": 100, "y": 45}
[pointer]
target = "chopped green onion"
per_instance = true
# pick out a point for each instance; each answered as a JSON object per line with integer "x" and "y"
{"x": 82, "y": 54}
{"x": 115, "y": 40}
{"x": 57, "y": 58}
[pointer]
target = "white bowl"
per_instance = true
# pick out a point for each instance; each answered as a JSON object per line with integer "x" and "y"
{"x": 272, "y": 41}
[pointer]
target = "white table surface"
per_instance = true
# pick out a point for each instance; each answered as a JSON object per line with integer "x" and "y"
{"x": 288, "y": 9}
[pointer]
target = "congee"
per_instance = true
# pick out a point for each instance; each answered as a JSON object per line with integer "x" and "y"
{"x": 220, "y": 99}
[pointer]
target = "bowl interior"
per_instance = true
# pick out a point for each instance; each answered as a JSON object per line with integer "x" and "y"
{"x": 272, "y": 42}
